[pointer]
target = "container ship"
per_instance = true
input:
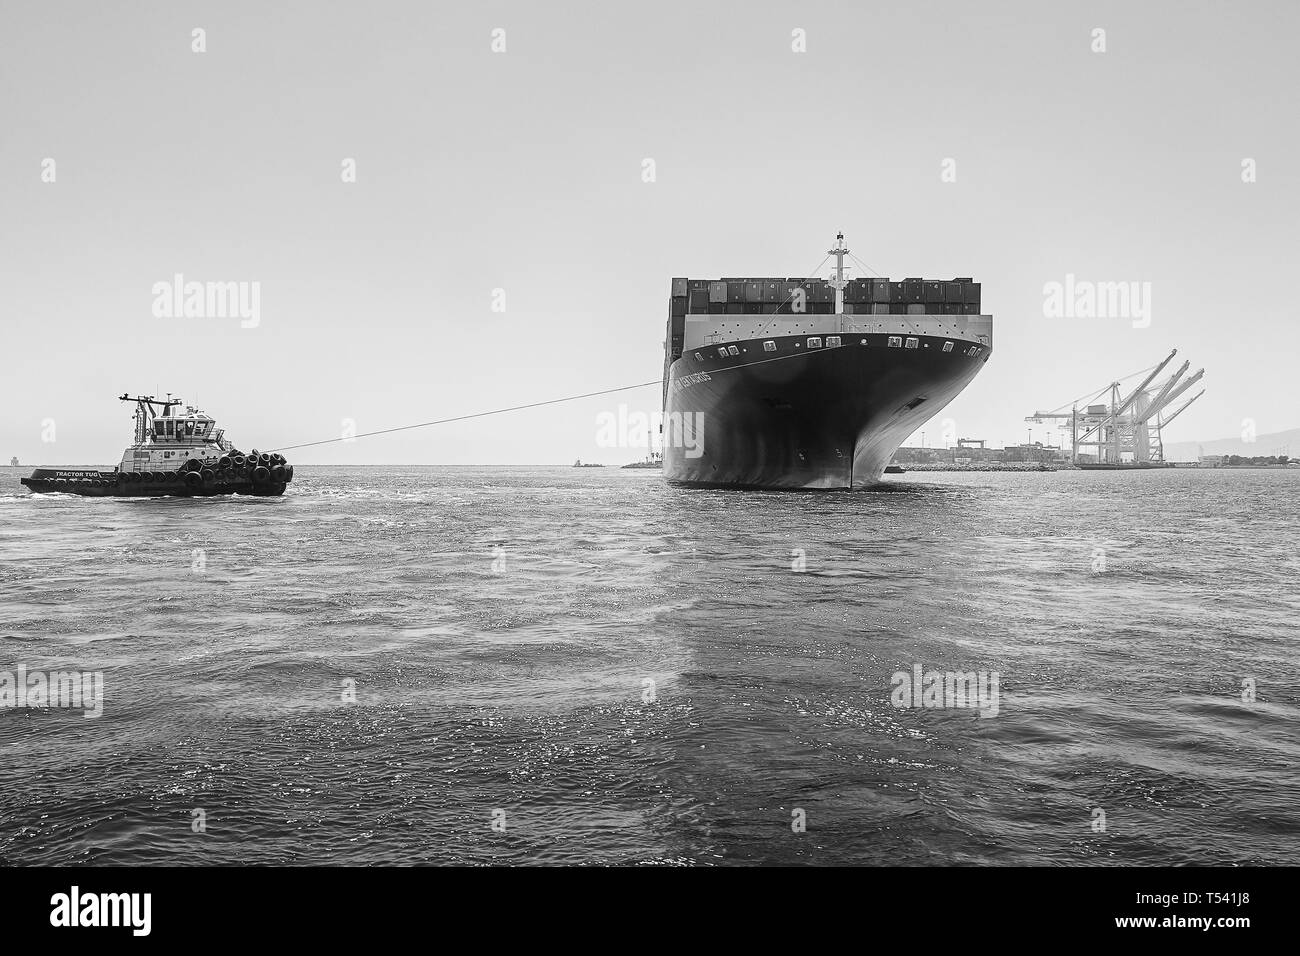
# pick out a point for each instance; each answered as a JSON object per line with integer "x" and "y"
{"x": 811, "y": 383}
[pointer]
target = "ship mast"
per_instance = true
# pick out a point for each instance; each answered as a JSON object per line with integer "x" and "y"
{"x": 838, "y": 283}
{"x": 144, "y": 413}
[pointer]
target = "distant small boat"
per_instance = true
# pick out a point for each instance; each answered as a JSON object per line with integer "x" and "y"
{"x": 578, "y": 464}
{"x": 895, "y": 470}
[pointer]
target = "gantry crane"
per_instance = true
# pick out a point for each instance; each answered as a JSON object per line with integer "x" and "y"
{"x": 1126, "y": 424}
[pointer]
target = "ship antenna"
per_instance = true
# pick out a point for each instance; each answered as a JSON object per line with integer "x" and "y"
{"x": 838, "y": 283}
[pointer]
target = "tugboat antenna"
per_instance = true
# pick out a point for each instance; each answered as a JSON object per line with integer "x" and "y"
{"x": 149, "y": 399}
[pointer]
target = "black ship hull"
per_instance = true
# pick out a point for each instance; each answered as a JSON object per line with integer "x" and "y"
{"x": 806, "y": 418}
{"x": 115, "y": 484}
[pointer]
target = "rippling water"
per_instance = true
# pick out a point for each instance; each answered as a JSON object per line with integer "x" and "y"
{"x": 501, "y": 627}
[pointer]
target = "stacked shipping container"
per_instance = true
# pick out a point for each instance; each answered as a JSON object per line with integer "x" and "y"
{"x": 912, "y": 296}
{"x": 861, "y": 296}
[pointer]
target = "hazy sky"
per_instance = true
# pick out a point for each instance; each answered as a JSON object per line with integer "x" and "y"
{"x": 522, "y": 171}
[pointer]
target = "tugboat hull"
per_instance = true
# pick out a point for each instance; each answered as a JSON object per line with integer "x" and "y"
{"x": 116, "y": 484}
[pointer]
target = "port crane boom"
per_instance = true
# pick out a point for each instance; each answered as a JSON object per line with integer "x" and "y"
{"x": 1173, "y": 396}
{"x": 1162, "y": 396}
{"x": 1182, "y": 408}
{"x": 1160, "y": 425}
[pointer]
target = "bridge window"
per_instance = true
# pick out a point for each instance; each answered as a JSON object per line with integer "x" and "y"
{"x": 947, "y": 346}
{"x": 815, "y": 342}
{"x": 769, "y": 346}
{"x": 722, "y": 350}
{"x": 832, "y": 341}
{"x": 699, "y": 357}
{"x": 733, "y": 350}
{"x": 911, "y": 342}
{"x": 895, "y": 341}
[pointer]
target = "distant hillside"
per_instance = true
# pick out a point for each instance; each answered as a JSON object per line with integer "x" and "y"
{"x": 1275, "y": 443}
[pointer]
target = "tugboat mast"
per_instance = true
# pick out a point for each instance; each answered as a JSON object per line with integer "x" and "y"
{"x": 838, "y": 283}
{"x": 144, "y": 413}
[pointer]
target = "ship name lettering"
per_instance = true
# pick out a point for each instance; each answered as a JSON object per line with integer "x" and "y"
{"x": 689, "y": 380}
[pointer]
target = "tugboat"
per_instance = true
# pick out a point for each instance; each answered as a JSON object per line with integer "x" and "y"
{"x": 174, "y": 453}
